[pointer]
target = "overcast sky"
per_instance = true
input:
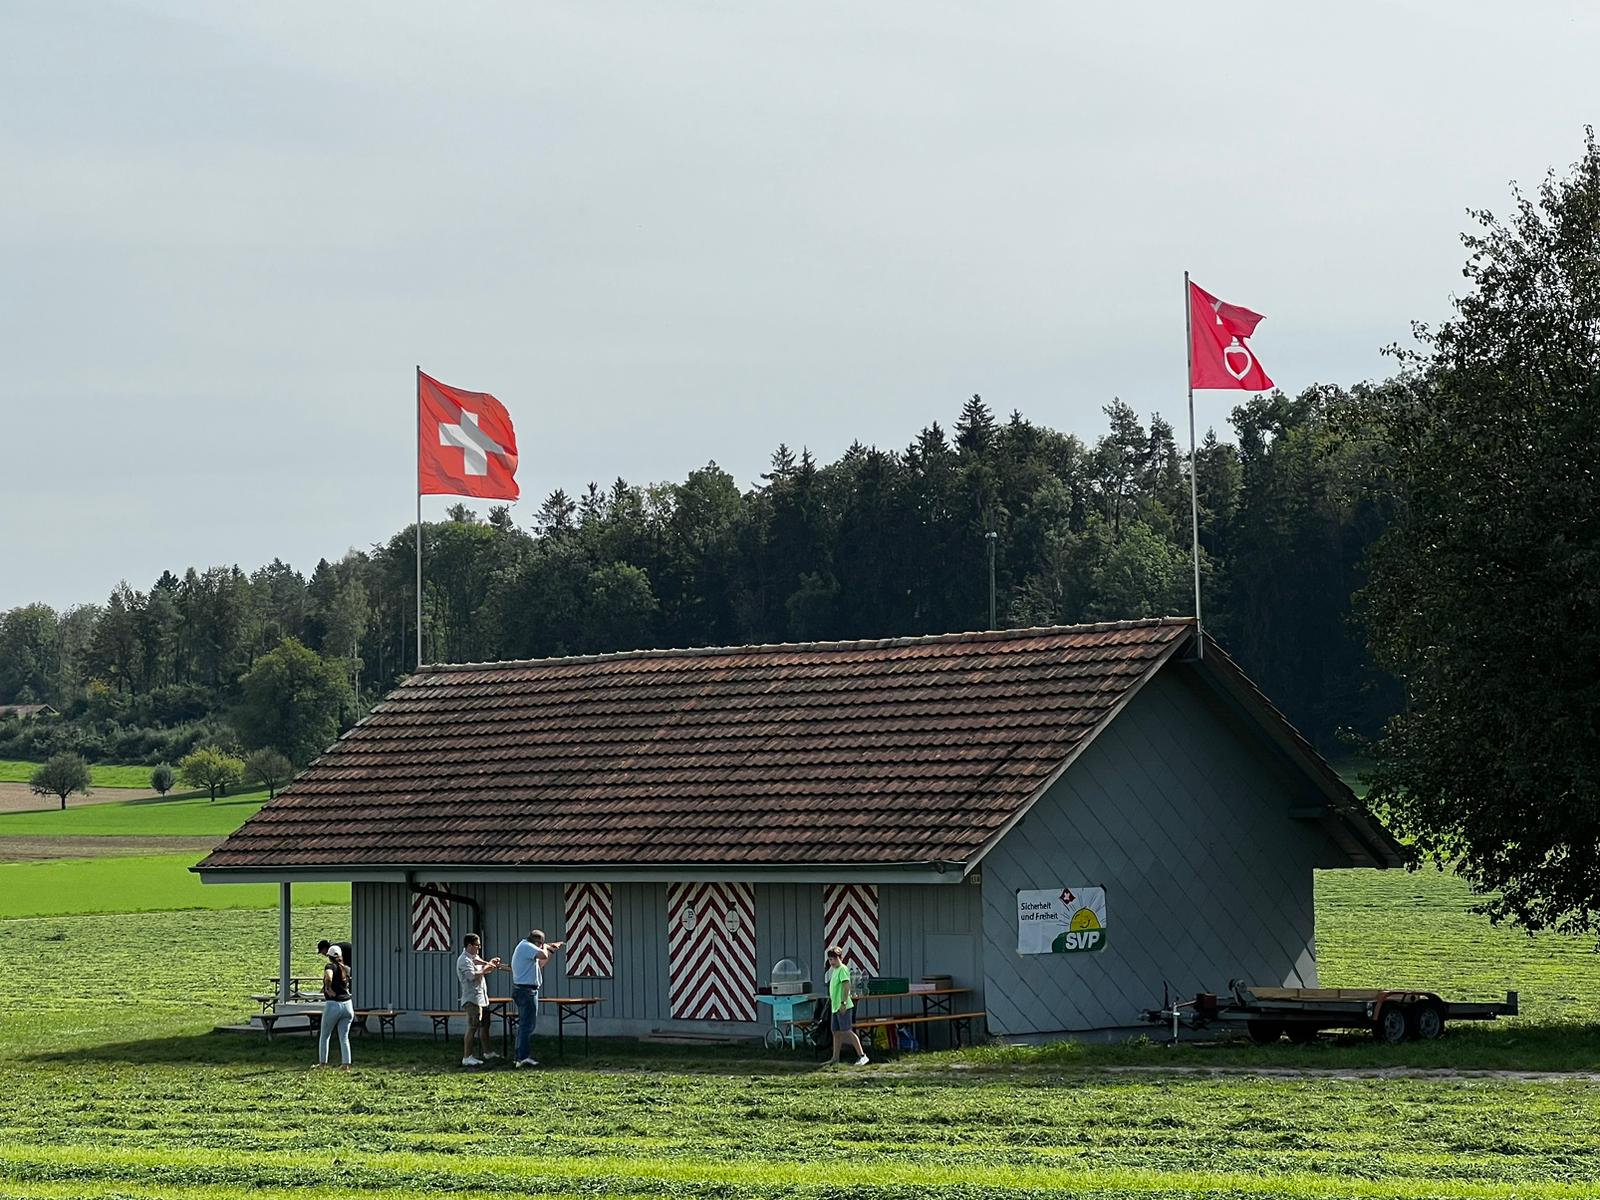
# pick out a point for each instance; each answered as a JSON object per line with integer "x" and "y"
{"x": 667, "y": 232}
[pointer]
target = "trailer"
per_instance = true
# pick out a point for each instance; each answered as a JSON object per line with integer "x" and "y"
{"x": 1266, "y": 1014}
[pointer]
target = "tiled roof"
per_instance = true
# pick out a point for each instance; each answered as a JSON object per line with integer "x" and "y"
{"x": 914, "y": 750}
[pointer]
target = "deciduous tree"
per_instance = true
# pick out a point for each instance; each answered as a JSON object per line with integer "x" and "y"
{"x": 60, "y": 777}
{"x": 269, "y": 767}
{"x": 291, "y": 699}
{"x": 212, "y": 768}
{"x": 1485, "y": 591}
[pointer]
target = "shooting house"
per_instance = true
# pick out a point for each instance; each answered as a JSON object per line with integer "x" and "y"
{"x": 1060, "y": 820}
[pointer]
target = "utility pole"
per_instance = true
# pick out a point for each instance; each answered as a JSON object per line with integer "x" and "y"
{"x": 993, "y": 539}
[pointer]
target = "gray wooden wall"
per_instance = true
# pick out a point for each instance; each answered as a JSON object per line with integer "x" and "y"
{"x": 924, "y": 929}
{"x": 1183, "y": 816}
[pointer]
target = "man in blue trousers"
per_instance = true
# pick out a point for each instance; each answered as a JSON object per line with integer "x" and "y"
{"x": 527, "y": 977}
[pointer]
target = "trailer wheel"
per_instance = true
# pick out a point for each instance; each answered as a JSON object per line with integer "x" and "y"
{"x": 1427, "y": 1022}
{"x": 1300, "y": 1033}
{"x": 1392, "y": 1026}
{"x": 1264, "y": 1033}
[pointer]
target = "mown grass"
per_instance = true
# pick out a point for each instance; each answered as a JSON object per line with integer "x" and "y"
{"x": 110, "y": 1085}
{"x": 188, "y": 815}
{"x": 1417, "y": 929}
{"x": 101, "y": 775}
{"x": 144, "y": 883}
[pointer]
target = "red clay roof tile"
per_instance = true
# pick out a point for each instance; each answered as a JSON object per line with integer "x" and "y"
{"x": 899, "y": 751}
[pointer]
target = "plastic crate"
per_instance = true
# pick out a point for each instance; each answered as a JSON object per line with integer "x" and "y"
{"x": 888, "y": 985}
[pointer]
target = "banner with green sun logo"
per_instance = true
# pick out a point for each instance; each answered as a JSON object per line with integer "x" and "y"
{"x": 1070, "y": 920}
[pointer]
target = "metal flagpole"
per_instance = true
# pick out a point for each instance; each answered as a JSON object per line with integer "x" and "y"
{"x": 420, "y": 512}
{"x": 1194, "y": 467}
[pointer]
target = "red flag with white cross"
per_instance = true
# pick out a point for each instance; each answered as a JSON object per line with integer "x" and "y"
{"x": 465, "y": 443}
{"x": 1219, "y": 347}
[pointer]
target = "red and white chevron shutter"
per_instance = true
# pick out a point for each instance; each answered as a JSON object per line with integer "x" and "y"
{"x": 590, "y": 945}
{"x": 430, "y": 921}
{"x": 850, "y": 921}
{"x": 711, "y": 951}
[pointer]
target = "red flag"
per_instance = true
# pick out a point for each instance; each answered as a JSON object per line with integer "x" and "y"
{"x": 1219, "y": 355}
{"x": 465, "y": 443}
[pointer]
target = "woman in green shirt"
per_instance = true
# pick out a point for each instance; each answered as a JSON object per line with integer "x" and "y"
{"x": 843, "y": 1006}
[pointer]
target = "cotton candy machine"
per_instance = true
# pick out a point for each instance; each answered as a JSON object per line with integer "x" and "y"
{"x": 789, "y": 978}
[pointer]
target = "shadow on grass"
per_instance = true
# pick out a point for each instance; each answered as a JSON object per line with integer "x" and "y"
{"x": 252, "y": 798}
{"x": 1508, "y": 1048}
{"x": 412, "y": 1053}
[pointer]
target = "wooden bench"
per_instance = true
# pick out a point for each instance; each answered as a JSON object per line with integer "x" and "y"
{"x": 312, "y": 1018}
{"x": 441, "y": 1022}
{"x": 960, "y": 1024}
{"x": 265, "y": 999}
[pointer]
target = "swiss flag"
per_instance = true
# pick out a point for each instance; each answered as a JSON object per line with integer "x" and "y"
{"x": 1219, "y": 355}
{"x": 465, "y": 443}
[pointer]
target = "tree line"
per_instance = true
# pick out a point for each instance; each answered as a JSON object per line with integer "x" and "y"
{"x": 876, "y": 543}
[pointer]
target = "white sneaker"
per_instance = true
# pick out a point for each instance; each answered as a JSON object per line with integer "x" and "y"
{"x": 862, "y": 1061}
{"x": 490, "y": 1055}
{"x": 527, "y": 1062}
{"x": 472, "y": 1060}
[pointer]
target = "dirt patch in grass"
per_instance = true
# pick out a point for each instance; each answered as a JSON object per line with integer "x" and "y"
{"x": 15, "y": 797}
{"x": 39, "y": 848}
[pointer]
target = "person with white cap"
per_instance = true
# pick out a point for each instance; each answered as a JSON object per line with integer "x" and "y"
{"x": 338, "y": 1007}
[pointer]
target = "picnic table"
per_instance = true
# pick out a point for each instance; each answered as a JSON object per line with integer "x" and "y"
{"x": 568, "y": 1008}
{"x": 574, "y": 1008}
{"x": 301, "y": 988}
{"x": 938, "y": 1008}
{"x": 385, "y": 1017}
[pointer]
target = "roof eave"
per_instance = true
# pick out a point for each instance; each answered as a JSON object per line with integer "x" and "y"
{"x": 932, "y": 872}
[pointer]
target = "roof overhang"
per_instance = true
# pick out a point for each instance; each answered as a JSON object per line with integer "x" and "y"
{"x": 434, "y": 873}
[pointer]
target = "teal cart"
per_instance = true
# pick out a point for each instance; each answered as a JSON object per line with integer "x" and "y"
{"x": 790, "y": 1016}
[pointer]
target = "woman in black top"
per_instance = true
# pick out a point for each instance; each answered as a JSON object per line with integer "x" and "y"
{"x": 338, "y": 1009}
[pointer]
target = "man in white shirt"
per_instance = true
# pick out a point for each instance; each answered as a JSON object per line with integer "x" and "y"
{"x": 527, "y": 977}
{"x": 473, "y": 970}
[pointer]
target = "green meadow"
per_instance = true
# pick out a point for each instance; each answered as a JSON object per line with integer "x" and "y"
{"x": 113, "y": 1085}
{"x": 148, "y": 883}
{"x": 101, "y": 775}
{"x": 187, "y": 815}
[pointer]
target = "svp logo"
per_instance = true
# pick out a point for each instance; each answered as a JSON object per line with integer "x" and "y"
{"x": 1086, "y": 923}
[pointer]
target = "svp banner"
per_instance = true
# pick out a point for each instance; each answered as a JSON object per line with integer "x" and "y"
{"x": 1068, "y": 921}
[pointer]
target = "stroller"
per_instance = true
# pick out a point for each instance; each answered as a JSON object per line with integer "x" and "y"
{"x": 819, "y": 1034}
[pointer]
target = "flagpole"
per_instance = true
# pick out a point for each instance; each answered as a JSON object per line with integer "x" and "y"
{"x": 1194, "y": 467}
{"x": 420, "y": 516}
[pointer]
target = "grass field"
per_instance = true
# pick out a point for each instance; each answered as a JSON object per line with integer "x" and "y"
{"x": 135, "y": 885}
{"x": 112, "y": 1086}
{"x": 182, "y": 816}
{"x": 109, "y": 1087}
{"x": 101, "y": 775}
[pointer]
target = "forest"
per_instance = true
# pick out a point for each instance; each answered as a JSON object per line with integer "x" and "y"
{"x": 879, "y": 543}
